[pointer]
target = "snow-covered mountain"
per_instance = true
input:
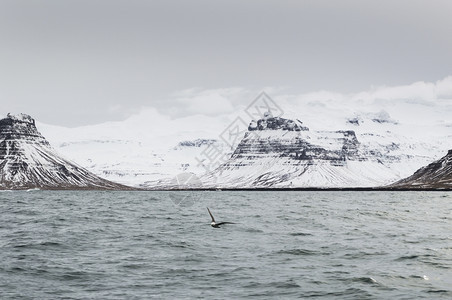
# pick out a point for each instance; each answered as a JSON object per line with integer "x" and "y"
{"x": 348, "y": 150}
{"x": 385, "y": 138}
{"x": 279, "y": 152}
{"x": 437, "y": 175}
{"x": 28, "y": 161}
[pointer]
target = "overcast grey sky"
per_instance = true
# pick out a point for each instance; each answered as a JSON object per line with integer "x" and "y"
{"x": 77, "y": 62}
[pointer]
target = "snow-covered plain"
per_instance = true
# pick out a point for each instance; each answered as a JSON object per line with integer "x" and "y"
{"x": 145, "y": 147}
{"x": 408, "y": 127}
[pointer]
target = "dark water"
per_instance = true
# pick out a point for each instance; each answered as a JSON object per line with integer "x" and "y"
{"x": 141, "y": 245}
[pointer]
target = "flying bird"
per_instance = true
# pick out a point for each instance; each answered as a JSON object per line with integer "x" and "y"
{"x": 215, "y": 224}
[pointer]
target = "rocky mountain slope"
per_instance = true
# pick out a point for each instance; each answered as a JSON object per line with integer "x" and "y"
{"x": 28, "y": 161}
{"x": 279, "y": 152}
{"x": 437, "y": 175}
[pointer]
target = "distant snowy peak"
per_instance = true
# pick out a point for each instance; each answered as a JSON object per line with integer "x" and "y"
{"x": 382, "y": 117}
{"x": 28, "y": 161}
{"x": 437, "y": 175}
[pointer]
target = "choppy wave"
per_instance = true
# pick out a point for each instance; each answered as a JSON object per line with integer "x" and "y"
{"x": 120, "y": 245}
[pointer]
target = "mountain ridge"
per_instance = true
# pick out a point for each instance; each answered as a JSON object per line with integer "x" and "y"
{"x": 436, "y": 175}
{"x": 28, "y": 161}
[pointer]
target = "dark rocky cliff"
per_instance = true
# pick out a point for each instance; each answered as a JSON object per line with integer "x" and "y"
{"x": 296, "y": 147}
{"x": 28, "y": 161}
{"x": 437, "y": 175}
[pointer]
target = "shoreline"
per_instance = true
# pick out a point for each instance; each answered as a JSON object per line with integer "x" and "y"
{"x": 306, "y": 189}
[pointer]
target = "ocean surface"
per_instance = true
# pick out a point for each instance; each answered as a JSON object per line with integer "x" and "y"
{"x": 144, "y": 245}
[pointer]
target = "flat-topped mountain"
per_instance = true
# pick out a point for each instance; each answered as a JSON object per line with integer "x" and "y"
{"x": 278, "y": 152}
{"x": 28, "y": 161}
{"x": 437, "y": 175}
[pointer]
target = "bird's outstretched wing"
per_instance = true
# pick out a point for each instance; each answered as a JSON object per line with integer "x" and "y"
{"x": 213, "y": 219}
{"x": 221, "y": 223}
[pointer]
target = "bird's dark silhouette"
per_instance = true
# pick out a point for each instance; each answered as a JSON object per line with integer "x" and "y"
{"x": 214, "y": 224}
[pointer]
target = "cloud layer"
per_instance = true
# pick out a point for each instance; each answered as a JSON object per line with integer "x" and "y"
{"x": 218, "y": 102}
